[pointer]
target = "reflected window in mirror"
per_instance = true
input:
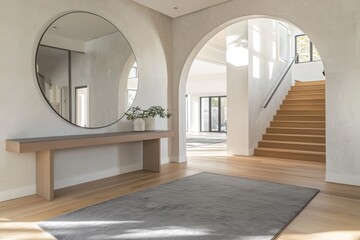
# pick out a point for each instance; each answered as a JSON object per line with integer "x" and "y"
{"x": 82, "y": 106}
{"x": 82, "y": 49}
{"x": 132, "y": 84}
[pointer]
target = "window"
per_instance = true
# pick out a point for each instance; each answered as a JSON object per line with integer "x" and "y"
{"x": 283, "y": 42}
{"x": 306, "y": 49}
{"x": 213, "y": 114}
{"x": 132, "y": 85}
{"x": 133, "y": 72}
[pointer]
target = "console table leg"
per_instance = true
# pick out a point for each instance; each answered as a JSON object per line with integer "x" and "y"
{"x": 45, "y": 174}
{"x": 151, "y": 155}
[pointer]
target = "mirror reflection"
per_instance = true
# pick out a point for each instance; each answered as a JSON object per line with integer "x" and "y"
{"x": 86, "y": 70}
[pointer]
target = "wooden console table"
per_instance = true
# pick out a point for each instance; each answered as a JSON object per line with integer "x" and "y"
{"x": 45, "y": 146}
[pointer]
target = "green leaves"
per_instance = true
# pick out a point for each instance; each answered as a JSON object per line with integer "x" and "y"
{"x": 153, "y": 111}
{"x": 134, "y": 113}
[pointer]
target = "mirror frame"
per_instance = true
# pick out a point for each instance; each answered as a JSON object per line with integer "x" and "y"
{"x": 37, "y": 75}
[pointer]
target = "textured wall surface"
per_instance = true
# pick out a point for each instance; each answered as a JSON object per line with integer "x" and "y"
{"x": 327, "y": 23}
{"x": 26, "y": 114}
{"x": 100, "y": 68}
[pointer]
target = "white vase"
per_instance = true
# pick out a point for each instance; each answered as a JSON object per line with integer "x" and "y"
{"x": 139, "y": 125}
{"x": 150, "y": 124}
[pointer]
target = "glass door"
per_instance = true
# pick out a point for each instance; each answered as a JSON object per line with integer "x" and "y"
{"x": 223, "y": 114}
{"x": 205, "y": 116}
{"x": 213, "y": 114}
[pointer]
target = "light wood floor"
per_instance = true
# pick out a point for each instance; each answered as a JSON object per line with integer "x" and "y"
{"x": 334, "y": 214}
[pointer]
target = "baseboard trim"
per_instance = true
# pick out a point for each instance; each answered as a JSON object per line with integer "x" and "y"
{"x": 61, "y": 183}
{"x": 343, "y": 179}
{"x": 17, "y": 193}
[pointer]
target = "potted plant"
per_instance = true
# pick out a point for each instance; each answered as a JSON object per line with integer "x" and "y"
{"x": 137, "y": 115}
{"x": 152, "y": 112}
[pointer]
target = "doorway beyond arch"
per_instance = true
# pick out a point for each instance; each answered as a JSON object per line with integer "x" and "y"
{"x": 183, "y": 76}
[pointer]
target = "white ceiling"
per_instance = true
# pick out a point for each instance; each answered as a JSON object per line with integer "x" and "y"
{"x": 91, "y": 26}
{"x": 202, "y": 68}
{"x": 167, "y": 7}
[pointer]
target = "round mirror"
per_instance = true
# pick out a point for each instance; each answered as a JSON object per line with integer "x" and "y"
{"x": 86, "y": 70}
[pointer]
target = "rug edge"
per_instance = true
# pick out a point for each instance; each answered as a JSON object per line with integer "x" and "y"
{"x": 297, "y": 214}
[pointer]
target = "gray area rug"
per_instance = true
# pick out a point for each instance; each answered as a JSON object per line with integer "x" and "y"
{"x": 203, "y": 206}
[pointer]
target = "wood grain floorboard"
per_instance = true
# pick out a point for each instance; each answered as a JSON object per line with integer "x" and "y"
{"x": 334, "y": 214}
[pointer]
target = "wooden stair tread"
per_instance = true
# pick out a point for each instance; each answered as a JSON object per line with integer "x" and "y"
{"x": 301, "y": 112}
{"x": 295, "y": 128}
{"x": 298, "y": 129}
{"x": 309, "y": 83}
{"x": 295, "y": 143}
{"x": 292, "y": 121}
{"x": 308, "y": 92}
{"x": 305, "y": 92}
{"x": 302, "y": 101}
{"x": 308, "y": 130}
{"x": 305, "y": 105}
{"x": 306, "y": 88}
{"x": 291, "y": 151}
{"x": 304, "y": 146}
{"x": 305, "y": 99}
{"x": 308, "y": 104}
{"x": 301, "y": 115}
{"x": 297, "y": 135}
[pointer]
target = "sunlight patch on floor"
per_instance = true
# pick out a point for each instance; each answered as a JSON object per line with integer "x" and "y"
{"x": 77, "y": 224}
{"x": 23, "y": 231}
{"x": 162, "y": 233}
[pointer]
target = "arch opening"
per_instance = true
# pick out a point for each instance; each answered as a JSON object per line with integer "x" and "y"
{"x": 243, "y": 48}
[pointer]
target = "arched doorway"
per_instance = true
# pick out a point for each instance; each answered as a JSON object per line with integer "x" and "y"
{"x": 273, "y": 68}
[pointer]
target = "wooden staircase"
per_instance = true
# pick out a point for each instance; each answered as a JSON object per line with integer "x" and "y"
{"x": 298, "y": 128}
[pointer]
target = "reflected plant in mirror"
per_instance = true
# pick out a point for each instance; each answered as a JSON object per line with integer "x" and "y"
{"x": 86, "y": 70}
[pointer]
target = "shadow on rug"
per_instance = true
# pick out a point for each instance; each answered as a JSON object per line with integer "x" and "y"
{"x": 203, "y": 206}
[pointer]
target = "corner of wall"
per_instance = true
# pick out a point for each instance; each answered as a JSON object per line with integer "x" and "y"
{"x": 242, "y": 152}
{"x": 178, "y": 159}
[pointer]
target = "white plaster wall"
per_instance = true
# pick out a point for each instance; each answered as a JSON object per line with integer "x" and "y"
{"x": 311, "y": 71}
{"x": 327, "y": 23}
{"x": 100, "y": 68}
{"x": 193, "y": 119}
{"x": 270, "y": 71}
{"x": 26, "y": 114}
{"x": 237, "y": 57}
{"x": 207, "y": 85}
